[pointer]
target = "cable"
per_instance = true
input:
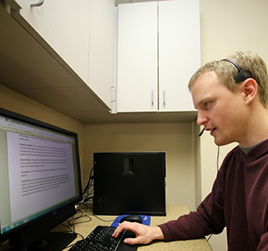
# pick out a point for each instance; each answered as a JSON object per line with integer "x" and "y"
{"x": 218, "y": 159}
{"x": 102, "y": 219}
{"x": 208, "y": 238}
{"x": 88, "y": 192}
{"x": 91, "y": 177}
{"x": 76, "y": 219}
{"x": 218, "y": 167}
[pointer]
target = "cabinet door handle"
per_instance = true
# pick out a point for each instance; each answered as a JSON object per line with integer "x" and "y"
{"x": 164, "y": 98}
{"x": 152, "y": 97}
{"x": 35, "y": 4}
{"x": 113, "y": 88}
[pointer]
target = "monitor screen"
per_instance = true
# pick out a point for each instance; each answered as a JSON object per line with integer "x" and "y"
{"x": 129, "y": 183}
{"x": 40, "y": 179}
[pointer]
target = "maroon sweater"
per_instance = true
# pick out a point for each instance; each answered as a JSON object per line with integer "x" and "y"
{"x": 238, "y": 200}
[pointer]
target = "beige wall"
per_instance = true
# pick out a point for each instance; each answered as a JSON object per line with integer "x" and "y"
{"x": 228, "y": 26}
{"x": 16, "y": 102}
{"x": 173, "y": 138}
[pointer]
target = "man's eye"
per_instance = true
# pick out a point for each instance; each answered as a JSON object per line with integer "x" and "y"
{"x": 206, "y": 104}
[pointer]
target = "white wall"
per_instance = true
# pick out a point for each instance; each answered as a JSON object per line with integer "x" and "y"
{"x": 209, "y": 152}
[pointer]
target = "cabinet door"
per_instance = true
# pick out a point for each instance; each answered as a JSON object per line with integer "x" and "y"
{"x": 64, "y": 25}
{"x": 102, "y": 40}
{"x": 179, "y": 52}
{"x": 137, "y": 57}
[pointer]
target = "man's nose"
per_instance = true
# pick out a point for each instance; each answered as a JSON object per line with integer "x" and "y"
{"x": 201, "y": 119}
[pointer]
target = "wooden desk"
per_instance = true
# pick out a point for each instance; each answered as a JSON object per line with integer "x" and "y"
{"x": 173, "y": 212}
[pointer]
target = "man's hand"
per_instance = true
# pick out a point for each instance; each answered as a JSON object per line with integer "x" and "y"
{"x": 144, "y": 234}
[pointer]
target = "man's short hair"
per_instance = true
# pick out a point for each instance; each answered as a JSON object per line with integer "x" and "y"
{"x": 226, "y": 71}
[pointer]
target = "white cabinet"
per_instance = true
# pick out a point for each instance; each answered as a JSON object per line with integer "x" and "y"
{"x": 158, "y": 51}
{"x": 137, "y": 57}
{"x": 101, "y": 47}
{"x": 179, "y": 52}
{"x": 64, "y": 25}
{"x": 81, "y": 33}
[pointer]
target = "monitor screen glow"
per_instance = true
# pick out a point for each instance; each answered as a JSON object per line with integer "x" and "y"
{"x": 39, "y": 175}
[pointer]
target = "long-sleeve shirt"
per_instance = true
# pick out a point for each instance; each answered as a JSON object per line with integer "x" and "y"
{"x": 238, "y": 200}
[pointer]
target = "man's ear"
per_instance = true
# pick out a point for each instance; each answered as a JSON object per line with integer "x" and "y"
{"x": 249, "y": 88}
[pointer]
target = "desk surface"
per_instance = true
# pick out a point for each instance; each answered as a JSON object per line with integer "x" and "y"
{"x": 173, "y": 212}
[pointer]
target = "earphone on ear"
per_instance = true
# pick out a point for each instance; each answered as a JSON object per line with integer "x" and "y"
{"x": 241, "y": 75}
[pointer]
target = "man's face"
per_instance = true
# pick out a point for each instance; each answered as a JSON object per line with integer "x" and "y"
{"x": 220, "y": 111}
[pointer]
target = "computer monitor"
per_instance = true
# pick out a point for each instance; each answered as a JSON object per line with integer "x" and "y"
{"x": 40, "y": 182}
{"x": 129, "y": 183}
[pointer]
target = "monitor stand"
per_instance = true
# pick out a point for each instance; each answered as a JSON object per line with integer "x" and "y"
{"x": 52, "y": 241}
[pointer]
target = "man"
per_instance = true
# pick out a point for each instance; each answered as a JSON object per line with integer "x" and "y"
{"x": 231, "y": 97}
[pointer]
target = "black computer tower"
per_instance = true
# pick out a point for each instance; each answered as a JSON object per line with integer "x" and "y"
{"x": 129, "y": 183}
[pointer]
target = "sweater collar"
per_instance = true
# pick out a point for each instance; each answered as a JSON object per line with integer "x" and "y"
{"x": 246, "y": 150}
